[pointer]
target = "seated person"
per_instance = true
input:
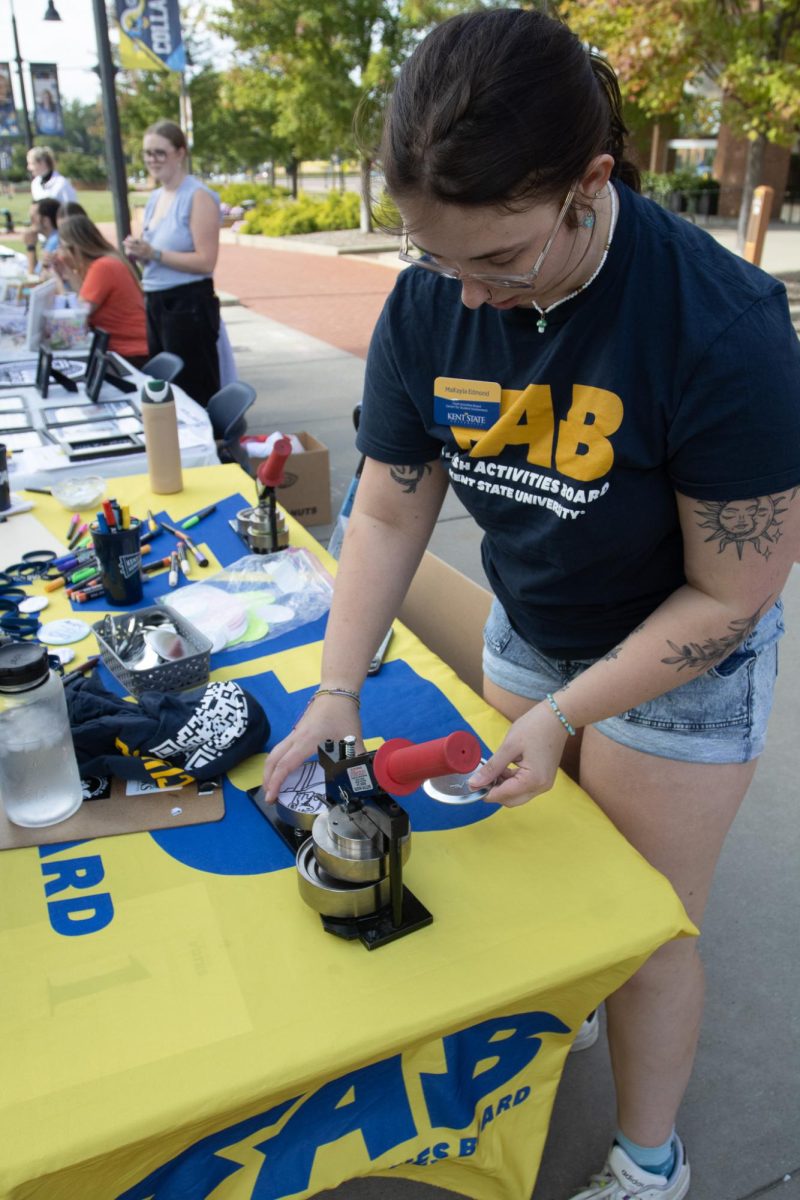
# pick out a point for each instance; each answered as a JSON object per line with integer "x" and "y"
{"x": 106, "y": 282}
{"x": 42, "y": 234}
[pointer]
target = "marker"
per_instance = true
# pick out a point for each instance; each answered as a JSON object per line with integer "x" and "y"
{"x": 89, "y": 665}
{"x": 183, "y": 558}
{"x": 152, "y": 523}
{"x": 126, "y": 517}
{"x": 74, "y": 522}
{"x": 191, "y": 521}
{"x": 173, "y": 569}
{"x": 90, "y": 594}
{"x": 150, "y": 568}
{"x": 178, "y": 533}
{"x": 108, "y": 512}
{"x": 77, "y": 535}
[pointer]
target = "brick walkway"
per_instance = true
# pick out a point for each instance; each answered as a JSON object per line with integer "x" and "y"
{"x": 335, "y": 299}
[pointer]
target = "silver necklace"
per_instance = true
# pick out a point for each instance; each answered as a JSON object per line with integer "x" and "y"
{"x": 541, "y": 324}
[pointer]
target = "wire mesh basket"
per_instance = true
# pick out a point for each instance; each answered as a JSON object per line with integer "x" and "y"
{"x": 115, "y": 633}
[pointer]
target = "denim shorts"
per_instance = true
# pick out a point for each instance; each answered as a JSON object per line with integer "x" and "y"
{"x": 718, "y": 717}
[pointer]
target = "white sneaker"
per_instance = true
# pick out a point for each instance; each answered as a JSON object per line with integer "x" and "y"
{"x": 622, "y": 1179}
{"x": 588, "y": 1033}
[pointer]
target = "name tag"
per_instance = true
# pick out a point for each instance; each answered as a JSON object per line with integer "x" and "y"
{"x": 466, "y": 403}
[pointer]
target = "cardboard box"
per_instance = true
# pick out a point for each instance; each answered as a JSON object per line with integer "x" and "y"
{"x": 306, "y": 490}
{"x": 447, "y": 611}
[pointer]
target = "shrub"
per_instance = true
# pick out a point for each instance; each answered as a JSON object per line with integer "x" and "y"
{"x": 235, "y": 193}
{"x": 83, "y": 167}
{"x": 307, "y": 214}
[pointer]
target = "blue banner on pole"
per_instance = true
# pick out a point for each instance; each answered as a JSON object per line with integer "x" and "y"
{"x": 9, "y": 125}
{"x": 48, "y": 117}
{"x": 150, "y": 37}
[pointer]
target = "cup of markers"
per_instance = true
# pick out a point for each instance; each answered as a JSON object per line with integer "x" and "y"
{"x": 115, "y": 535}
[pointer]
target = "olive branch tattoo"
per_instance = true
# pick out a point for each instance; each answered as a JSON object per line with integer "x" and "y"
{"x": 700, "y": 658}
{"x": 409, "y": 478}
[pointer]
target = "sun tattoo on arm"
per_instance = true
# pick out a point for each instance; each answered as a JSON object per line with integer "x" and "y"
{"x": 737, "y": 522}
{"x": 409, "y": 478}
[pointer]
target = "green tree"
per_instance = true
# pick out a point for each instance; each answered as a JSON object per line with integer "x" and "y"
{"x": 666, "y": 50}
{"x": 315, "y": 64}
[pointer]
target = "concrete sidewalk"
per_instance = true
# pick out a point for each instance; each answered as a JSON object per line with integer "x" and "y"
{"x": 300, "y": 337}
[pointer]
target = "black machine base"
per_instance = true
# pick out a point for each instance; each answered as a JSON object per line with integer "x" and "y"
{"x": 377, "y": 929}
{"x": 288, "y": 834}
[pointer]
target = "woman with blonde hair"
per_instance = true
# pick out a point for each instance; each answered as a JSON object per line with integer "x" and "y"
{"x": 106, "y": 282}
{"x": 178, "y": 249}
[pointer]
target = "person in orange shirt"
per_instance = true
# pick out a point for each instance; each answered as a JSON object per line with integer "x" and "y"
{"x": 106, "y": 282}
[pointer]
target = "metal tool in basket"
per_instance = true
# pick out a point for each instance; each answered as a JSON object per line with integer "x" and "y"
{"x": 352, "y": 852}
{"x": 153, "y": 649}
{"x": 263, "y": 528}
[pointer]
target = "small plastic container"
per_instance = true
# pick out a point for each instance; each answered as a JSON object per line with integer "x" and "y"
{"x": 176, "y": 676}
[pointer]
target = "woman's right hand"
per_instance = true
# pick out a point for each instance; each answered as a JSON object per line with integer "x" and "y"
{"x": 327, "y": 717}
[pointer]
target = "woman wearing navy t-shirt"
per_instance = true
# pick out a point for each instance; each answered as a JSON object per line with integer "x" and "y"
{"x": 615, "y": 399}
{"x": 179, "y": 247}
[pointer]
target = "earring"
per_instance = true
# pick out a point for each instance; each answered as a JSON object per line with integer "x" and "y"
{"x": 588, "y": 220}
{"x": 597, "y": 194}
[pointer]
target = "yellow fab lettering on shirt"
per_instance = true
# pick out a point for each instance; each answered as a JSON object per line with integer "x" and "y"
{"x": 580, "y": 448}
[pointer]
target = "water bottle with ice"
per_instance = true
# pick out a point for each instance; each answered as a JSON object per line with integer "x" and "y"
{"x": 39, "y": 779}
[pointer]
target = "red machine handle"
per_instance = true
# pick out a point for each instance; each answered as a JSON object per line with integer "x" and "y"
{"x": 400, "y": 766}
{"x": 270, "y": 472}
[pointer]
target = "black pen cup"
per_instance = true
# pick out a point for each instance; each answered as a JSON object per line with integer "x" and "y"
{"x": 5, "y": 486}
{"x": 120, "y": 557}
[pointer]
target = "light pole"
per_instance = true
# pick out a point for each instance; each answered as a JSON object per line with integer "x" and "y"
{"x": 117, "y": 175}
{"x": 25, "y": 114}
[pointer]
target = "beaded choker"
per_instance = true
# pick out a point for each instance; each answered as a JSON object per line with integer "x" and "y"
{"x": 541, "y": 324}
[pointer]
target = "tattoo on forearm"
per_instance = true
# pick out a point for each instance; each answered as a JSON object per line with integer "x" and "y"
{"x": 714, "y": 650}
{"x": 409, "y": 478}
{"x": 737, "y": 522}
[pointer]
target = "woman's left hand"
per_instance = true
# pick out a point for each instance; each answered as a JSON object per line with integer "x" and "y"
{"x": 526, "y": 762}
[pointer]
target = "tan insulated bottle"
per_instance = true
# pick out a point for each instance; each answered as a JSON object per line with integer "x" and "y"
{"x": 160, "y": 421}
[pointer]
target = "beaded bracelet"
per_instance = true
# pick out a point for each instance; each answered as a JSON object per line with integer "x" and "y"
{"x": 354, "y": 696}
{"x": 551, "y": 701}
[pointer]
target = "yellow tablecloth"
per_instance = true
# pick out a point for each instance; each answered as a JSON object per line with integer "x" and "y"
{"x": 210, "y": 1040}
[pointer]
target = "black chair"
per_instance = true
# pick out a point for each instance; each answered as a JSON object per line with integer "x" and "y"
{"x": 226, "y": 411}
{"x": 164, "y": 366}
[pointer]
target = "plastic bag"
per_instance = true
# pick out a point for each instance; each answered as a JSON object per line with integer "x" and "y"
{"x": 256, "y": 598}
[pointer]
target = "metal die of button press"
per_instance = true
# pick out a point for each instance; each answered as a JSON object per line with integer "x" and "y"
{"x": 350, "y": 868}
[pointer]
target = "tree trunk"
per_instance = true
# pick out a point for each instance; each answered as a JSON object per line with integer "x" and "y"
{"x": 366, "y": 207}
{"x": 292, "y": 170}
{"x": 752, "y": 178}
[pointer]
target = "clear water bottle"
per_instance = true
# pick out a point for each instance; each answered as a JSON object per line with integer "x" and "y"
{"x": 39, "y": 779}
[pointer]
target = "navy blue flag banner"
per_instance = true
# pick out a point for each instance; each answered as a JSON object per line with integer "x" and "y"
{"x": 150, "y": 36}
{"x": 9, "y": 125}
{"x": 48, "y": 117}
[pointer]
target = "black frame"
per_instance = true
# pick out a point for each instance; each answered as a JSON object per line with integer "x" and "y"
{"x": 44, "y": 366}
{"x": 96, "y": 376}
{"x": 98, "y": 345}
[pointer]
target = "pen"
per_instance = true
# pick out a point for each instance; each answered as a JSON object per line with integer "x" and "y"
{"x": 201, "y": 558}
{"x": 183, "y": 558}
{"x": 173, "y": 569}
{"x": 89, "y": 665}
{"x": 39, "y": 491}
{"x": 73, "y": 524}
{"x": 191, "y": 521}
{"x": 152, "y": 524}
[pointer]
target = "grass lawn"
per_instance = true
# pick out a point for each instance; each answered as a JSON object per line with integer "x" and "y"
{"x": 99, "y": 205}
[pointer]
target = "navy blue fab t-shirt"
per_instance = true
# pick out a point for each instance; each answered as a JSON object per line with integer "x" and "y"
{"x": 677, "y": 370}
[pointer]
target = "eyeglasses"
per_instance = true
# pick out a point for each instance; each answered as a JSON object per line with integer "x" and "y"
{"x": 155, "y": 155}
{"x": 418, "y": 258}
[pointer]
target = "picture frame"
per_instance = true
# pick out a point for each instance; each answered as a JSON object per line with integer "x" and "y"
{"x": 43, "y": 366}
{"x": 98, "y": 345}
{"x": 39, "y": 299}
{"x": 95, "y": 377}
